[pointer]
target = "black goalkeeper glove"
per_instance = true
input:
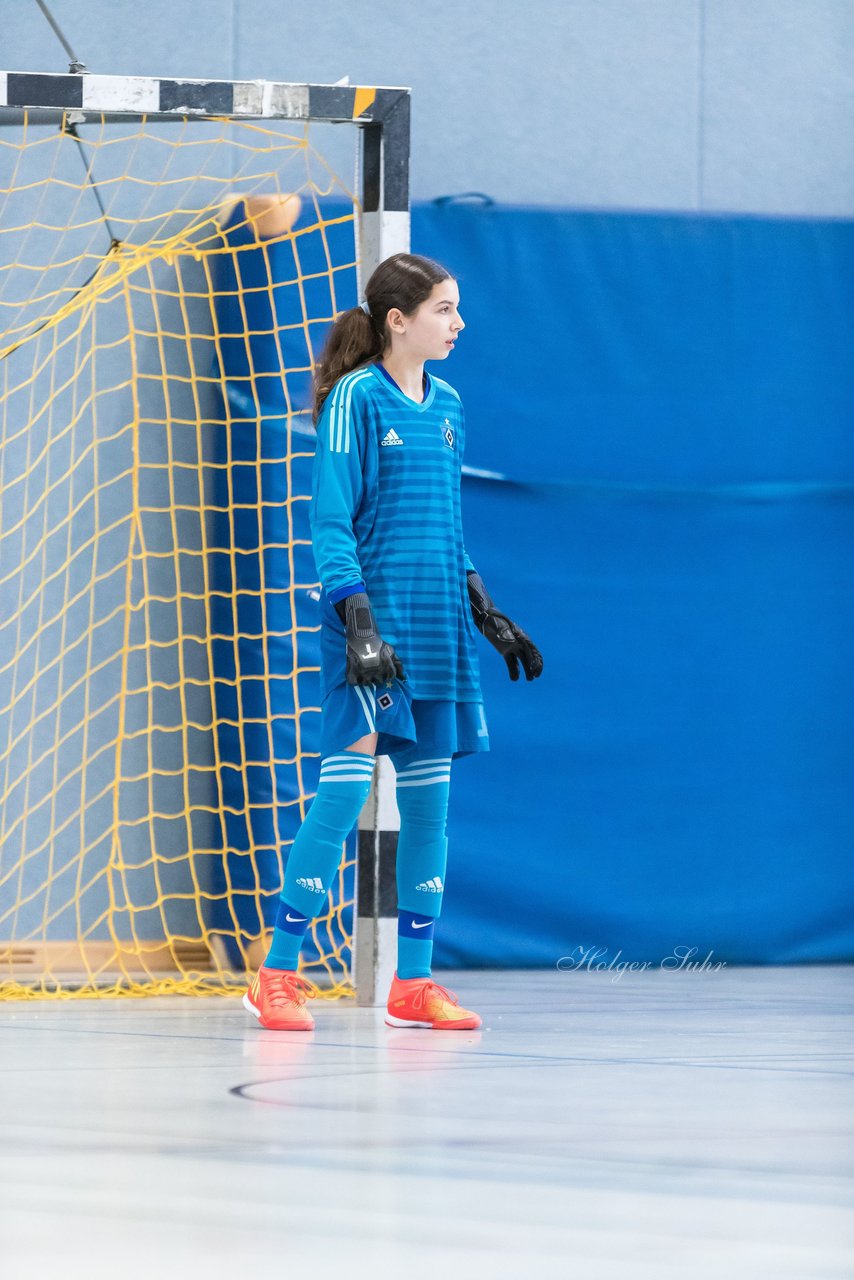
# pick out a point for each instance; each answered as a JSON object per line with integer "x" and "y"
{"x": 369, "y": 659}
{"x": 512, "y": 643}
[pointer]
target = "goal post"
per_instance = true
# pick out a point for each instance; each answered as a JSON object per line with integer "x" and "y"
{"x": 63, "y": 689}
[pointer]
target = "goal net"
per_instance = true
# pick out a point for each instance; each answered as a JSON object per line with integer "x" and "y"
{"x": 165, "y": 286}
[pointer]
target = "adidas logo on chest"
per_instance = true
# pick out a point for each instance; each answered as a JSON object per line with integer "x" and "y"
{"x": 391, "y": 437}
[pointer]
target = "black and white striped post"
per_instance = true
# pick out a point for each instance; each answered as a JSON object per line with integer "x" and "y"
{"x": 383, "y": 230}
{"x": 375, "y": 912}
{"x": 383, "y": 116}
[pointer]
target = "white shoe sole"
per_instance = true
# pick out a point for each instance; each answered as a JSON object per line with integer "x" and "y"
{"x": 392, "y": 1021}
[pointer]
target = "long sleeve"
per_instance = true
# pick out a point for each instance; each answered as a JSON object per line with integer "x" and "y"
{"x": 337, "y": 488}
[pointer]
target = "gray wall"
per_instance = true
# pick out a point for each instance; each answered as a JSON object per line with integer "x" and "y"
{"x": 696, "y": 105}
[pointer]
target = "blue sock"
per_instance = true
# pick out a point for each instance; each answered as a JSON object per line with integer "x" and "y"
{"x": 345, "y": 780}
{"x": 423, "y": 788}
{"x": 288, "y": 935}
{"x": 414, "y": 944}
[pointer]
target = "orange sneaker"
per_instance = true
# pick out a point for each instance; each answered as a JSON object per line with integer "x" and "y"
{"x": 421, "y": 1002}
{"x": 276, "y": 998}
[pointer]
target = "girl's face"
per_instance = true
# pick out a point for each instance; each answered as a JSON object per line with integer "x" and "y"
{"x": 430, "y": 332}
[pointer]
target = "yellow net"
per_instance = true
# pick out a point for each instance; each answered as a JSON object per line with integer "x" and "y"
{"x": 163, "y": 290}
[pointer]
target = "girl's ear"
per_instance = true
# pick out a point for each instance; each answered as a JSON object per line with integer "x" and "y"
{"x": 394, "y": 319}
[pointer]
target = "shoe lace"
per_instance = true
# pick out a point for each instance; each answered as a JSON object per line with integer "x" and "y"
{"x": 430, "y": 989}
{"x": 288, "y": 988}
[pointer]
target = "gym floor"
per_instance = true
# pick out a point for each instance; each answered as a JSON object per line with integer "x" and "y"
{"x": 650, "y": 1124}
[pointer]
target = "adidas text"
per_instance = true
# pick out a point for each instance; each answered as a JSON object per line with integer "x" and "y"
{"x": 391, "y": 437}
{"x": 312, "y": 883}
{"x": 431, "y": 886}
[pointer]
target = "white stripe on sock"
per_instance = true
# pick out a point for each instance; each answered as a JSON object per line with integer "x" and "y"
{"x": 350, "y": 759}
{"x": 336, "y": 777}
{"x": 425, "y": 782}
{"x": 355, "y": 764}
{"x": 424, "y": 769}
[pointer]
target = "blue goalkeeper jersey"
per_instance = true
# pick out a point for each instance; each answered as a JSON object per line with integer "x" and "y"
{"x": 385, "y": 518}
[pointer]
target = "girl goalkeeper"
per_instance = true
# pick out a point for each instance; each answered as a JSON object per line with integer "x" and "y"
{"x": 400, "y": 602}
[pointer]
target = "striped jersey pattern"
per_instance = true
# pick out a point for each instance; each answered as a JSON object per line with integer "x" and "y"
{"x": 386, "y": 512}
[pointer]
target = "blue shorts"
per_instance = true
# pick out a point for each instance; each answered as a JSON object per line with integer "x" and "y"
{"x": 407, "y": 728}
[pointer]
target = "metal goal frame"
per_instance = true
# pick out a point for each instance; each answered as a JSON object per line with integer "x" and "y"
{"x": 382, "y": 116}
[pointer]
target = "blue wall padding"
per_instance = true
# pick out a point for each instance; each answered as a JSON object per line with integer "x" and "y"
{"x": 670, "y": 400}
{"x": 260, "y": 293}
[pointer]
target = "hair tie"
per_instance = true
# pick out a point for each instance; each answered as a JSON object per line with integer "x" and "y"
{"x": 365, "y": 307}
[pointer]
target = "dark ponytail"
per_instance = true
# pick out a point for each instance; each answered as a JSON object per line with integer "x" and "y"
{"x": 404, "y": 281}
